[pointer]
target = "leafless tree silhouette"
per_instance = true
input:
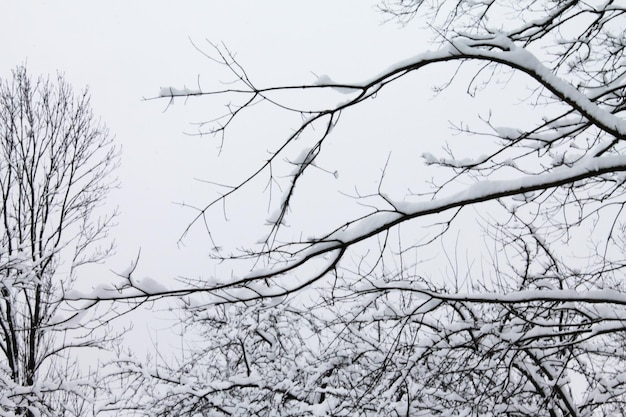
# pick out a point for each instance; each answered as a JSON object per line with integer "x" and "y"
{"x": 56, "y": 161}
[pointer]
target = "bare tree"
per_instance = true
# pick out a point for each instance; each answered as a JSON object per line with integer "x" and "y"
{"x": 534, "y": 326}
{"x": 55, "y": 166}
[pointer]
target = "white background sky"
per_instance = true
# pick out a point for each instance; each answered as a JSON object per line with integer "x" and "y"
{"x": 126, "y": 50}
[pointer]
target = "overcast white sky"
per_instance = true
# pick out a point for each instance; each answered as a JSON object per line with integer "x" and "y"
{"x": 126, "y": 50}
